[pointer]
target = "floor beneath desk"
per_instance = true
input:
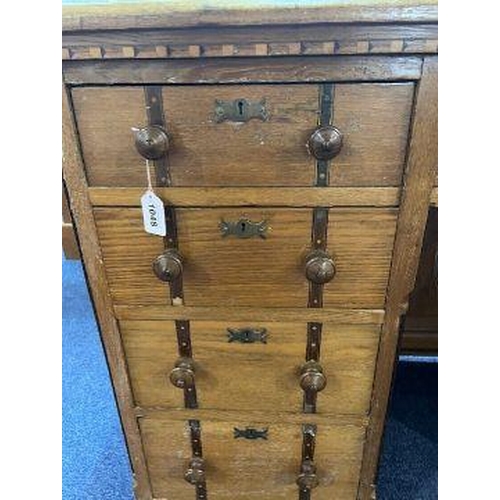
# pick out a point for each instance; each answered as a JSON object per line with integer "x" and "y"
{"x": 95, "y": 465}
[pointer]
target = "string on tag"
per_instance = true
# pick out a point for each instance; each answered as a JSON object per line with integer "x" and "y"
{"x": 148, "y": 173}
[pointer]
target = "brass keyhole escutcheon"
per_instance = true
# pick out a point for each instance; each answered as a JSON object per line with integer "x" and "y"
{"x": 240, "y": 110}
{"x": 250, "y": 433}
{"x": 247, "y": 335}
{"x": 244, "y": 228}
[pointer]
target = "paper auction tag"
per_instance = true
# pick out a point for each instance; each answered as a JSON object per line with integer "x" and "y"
{"x": 153, "y": 213}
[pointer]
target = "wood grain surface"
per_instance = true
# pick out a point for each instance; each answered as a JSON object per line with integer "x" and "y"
{"x": 246, "y": 377}
{"x": 184, "y": 414}
{"x": 74, "y": 178}
{"x": 374, "y": 119}
{"x": 158, "y": 15}
{"x": 418, "y": 183}
{"x": 251, "y": 196}
{"x": 251, "y": 469}
{"x": 69, "y": 240}
{"x": 255, "y": 153}
{"x": 242, "y": 71}
{"x": 276, "y": 314}
{"x": 69, "y": 243}
{"x": 232, "y": 272}
{"x": 434, "y": 197}
{"x": 105, "y": 117}
{"x": 247, "y": 35}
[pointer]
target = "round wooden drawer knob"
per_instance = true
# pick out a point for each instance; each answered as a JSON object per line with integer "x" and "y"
{"x": 312, "y": 378}
{"x": 307, "y": 479}
{"x": 168, "y": 265}
{"x": 325, "y": 143}
{"x": 182, "y": 375}
{"x": 319, "y": 267}
{"x": 152, "y": 142}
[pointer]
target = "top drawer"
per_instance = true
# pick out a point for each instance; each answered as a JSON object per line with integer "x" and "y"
{"x": 208, "y": 150}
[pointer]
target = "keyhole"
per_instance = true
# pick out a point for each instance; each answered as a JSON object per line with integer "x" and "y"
{"x": 240, "y": 107}
{"x": 243, "y": 226}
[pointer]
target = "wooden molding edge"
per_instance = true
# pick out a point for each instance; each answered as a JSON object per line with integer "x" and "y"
{"x": 255, "y": 416}
{"x": 326, "y": 47}
{"x": 239, "y": 70}
{"x": 251, "y": 196}
{"x": 275, "y": 314}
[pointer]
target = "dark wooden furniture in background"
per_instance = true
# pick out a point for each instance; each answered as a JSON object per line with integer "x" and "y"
{"x": 419, "y": 330}
{"x": 252, "y": 348}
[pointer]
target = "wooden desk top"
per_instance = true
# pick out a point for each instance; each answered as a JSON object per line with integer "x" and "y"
{"x": 120, "y": 14}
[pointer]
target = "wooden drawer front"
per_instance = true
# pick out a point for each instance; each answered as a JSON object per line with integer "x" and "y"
{"x": 252, "y": 376}
{"x": 251, "y": 469}
{"x": 229, "y": 271}
{"x": 374, "y": 119}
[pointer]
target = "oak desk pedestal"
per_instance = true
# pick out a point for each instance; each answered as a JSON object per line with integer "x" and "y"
{"x": 251, "y": 348}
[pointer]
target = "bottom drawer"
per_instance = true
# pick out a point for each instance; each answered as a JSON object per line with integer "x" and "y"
{"x": 262, "y": 464}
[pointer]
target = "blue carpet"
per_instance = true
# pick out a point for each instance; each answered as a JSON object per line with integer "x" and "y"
{"x": 95, "y": 464}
